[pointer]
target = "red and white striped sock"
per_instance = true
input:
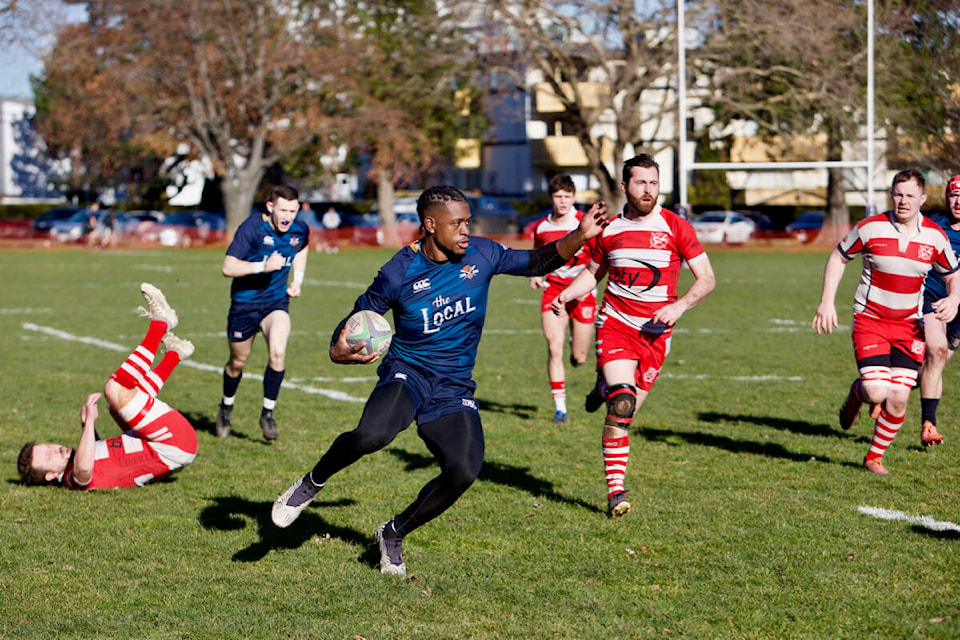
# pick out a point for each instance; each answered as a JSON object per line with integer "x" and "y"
{"x": 616, "y": 452}
{"x": 884, "y": 432}
{"x": 559, "y": 392}
{"x": 135, "y": 370}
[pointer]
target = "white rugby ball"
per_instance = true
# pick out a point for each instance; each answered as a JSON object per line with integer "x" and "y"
{"x": 371, "y": 330}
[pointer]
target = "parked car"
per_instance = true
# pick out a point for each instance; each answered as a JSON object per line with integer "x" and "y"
{"x": 366, "y": 229}
{"x": 807, "y": 226}
{"x": 723, "y": 226}
{"x": 491, "y": 216}
{"x": 187, "y": 229}
{"x": 76, "y": 228}
{"x": 43, "y": 223}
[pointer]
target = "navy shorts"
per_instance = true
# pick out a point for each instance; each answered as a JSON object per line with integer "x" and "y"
{"x": 432, "y": 400}
{"x": 244, "y": 320}
{"x": 953, "y": 327}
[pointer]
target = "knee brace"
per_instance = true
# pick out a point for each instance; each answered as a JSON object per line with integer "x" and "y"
{"x": 621, "y": 403}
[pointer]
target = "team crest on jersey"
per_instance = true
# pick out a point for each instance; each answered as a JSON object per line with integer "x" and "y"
{"x": 268, "y": 240}
{"x": 294, "y": 241}
{"x": 925, "y": 252}
{"x": 650, "y": 375}
{"x": 468, "y": 271}
{"x": 659, "y": 241}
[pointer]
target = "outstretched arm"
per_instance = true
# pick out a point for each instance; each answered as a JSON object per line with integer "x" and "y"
{"x": 703, "y": 284}
{"x": 554, "y": 255}
{"x": 84, "y": 455}
{"x": 585, "y": 282}
{"x": 825, "y": 320}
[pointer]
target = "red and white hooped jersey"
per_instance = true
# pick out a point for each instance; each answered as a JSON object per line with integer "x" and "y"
{"x": 644, "y": 257}
{"x": 547, "y": 231}
{"x": 894, "y": 265}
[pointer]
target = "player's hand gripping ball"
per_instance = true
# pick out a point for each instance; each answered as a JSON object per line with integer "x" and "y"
{"x": 369, "y": 329}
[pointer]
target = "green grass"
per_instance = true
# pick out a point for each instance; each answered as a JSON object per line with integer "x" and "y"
{"x": 745, "y": 492}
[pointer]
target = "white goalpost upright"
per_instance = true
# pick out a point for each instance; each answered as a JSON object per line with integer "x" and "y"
{"x": 684, "y": 166}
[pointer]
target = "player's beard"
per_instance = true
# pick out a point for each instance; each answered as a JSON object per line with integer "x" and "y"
{"x": 641, "y": 207}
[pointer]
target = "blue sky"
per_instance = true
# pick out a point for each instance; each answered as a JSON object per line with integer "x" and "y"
{"x": 16, "y": 65}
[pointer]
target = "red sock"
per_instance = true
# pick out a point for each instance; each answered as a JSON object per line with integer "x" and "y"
{"x": 131, "y": 373}
{"x": 884, "y": 432}
{"x": 616, "y": 452}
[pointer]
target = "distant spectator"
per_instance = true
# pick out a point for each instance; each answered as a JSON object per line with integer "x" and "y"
{"x": 108, "y": 233}
{"x": 90, "y": 228}
{"x": 308, "y": 215}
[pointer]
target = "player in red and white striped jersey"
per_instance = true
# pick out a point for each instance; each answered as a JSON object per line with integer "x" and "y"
{"x": 581, "y": 313}
{"x": 640, "y": 252}
{"x": 899, "y": 248}
{"x": 157, "y": 439}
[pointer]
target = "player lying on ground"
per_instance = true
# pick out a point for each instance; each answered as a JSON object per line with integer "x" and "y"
{"x": 157, "y": 440}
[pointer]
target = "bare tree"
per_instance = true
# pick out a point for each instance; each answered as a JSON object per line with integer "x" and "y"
{"x": 610, "y": 63}
{"x": 30, "y": 24}
{"x": 243, "y": 82}
{"x": 794, "y": 68}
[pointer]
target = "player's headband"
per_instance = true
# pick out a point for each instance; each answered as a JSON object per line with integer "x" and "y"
{"x": 954, "y": 184}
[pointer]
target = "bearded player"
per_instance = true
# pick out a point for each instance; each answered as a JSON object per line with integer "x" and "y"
{"x": 640, "y": 252}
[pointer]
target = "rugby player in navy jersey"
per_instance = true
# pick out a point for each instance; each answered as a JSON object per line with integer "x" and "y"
{"x": 437, "y": 290}
{"x": 259, "y": 259}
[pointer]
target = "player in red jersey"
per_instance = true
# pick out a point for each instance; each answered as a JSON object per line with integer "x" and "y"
{"x": 157, "y": 440}
{"x": 640, "y": 252}
{"x": 899, "y": 247}
{"x": 581, "y": 313}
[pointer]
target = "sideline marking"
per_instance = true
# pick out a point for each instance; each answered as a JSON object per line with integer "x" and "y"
{"x": 10, "y": 312}
{"x": 924, "y": 521}
{"x": 113, "y": 346}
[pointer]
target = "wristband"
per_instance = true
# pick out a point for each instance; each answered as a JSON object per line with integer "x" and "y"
{"x": 258, "y": 267}
{"x": 298, "y": 277}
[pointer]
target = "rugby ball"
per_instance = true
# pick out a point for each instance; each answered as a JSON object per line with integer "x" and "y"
{"x": 369, "y": 329}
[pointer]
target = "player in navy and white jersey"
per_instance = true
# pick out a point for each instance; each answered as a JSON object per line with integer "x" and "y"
{"x": 436, "y": 289}
{"x": 156, "y": 440}
{"x": 942, "y": 338}
{"x": 259, "y": 260}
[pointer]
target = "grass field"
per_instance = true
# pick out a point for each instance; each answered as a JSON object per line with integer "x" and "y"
{"x": 746, "y": 494}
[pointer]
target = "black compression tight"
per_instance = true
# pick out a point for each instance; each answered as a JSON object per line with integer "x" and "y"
{"x": 455, "y": 440}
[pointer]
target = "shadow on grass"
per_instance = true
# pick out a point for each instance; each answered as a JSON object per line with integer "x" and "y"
{"x": 503, "y": 474}
{"x": 203, "y": 423}
{"x": 949, "y": 534}
{"x": 524, "y": 411}
{"x": 794, "y": 426}
{"x": 231, "y": 513}
{"x": 766, "y": 449}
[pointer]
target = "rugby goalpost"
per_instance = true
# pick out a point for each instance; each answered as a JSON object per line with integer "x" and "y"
{"x": 684, "y": 167}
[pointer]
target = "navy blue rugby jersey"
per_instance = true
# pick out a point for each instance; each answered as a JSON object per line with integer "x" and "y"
{"x": 255, "y": 241}
{"x": 439, "y": 307}
{"x": 934, "y": 286}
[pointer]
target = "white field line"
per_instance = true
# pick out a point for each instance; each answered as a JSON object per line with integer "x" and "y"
{"x": 18, "y": 312}
{"x": 923, "y": 521}
{"x": 112, "y": 346}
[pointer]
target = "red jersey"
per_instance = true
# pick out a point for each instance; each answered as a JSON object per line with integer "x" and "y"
{"x": 643, "y": 259}
{"x": 155, "y": 450}
{"x": 547, "y": 231}
{"x": 894, "y": 266}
